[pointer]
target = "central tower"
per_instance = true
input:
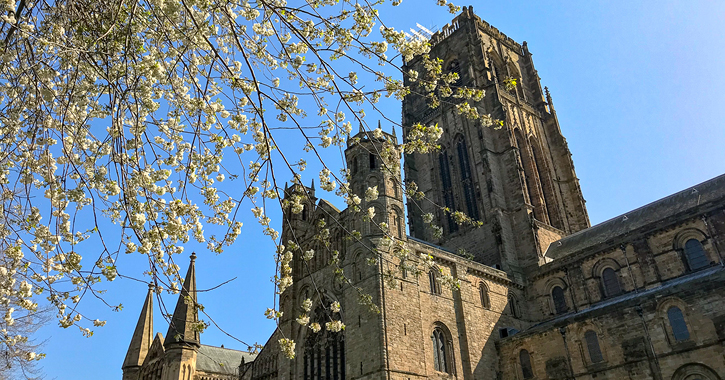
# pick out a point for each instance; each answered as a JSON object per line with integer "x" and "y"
{"x": 518, "y": 179}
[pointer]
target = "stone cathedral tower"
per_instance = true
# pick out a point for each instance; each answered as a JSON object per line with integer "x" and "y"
{"x": 640, "y": 296}
{"x": 519, "y": 180}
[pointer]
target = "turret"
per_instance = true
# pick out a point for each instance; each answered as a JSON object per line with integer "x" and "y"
{"x": 182, "y": 339}
{"x": 297, "y": 221}
{"x": 141, "y": 340}
{"x": 373, "y": 159}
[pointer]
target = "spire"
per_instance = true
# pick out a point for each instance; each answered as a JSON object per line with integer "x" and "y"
{"x": 313, "y": 184}
{"x": 181, "y": 327}
{"x": 548, "y": 99}
{"x": 379, "y": 127}
{"x": 143, "y": 335}
{"x": 361, "y": 130}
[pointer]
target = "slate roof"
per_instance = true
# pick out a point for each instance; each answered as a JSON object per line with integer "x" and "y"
{"x": 219, "y": 360}
{"x": 690, "y": 281}
{"x": 709, "y": 191}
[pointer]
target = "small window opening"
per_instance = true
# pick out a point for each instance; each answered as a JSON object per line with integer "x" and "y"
{"x": 695, "y": 254}
{"x": 678, "y": 324}
{"x": 557, "y": 294}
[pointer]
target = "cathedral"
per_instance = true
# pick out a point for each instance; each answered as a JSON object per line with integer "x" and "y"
{"x": 541, "y": 295}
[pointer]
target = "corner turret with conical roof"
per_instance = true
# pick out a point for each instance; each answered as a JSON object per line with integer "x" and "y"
{"x": 141, "y": 341}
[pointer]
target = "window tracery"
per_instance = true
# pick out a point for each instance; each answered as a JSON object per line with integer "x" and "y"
{"x": 447, "y": 189}
{"x": 324, "y": 352}
{"x": 469, "y": 194}
{"x": 442, "y": 355}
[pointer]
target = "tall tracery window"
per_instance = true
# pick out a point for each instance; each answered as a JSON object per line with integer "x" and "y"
{"x": 610, "y": 283}
{"x": 440, "y": 350}
{"x": 595, "y": 352}
{"x": 547, "y": 186}
{"x": 435, "y": 285}
{"x": 557, "y": 295}
{"x": 324, "y": 355}
{"x": 695, "y": 255}
{"x": 525, "y": 361}
{"x": 485, "y": 300}
{"x": 373, "y": 161}
{"x": 447, "y": 189}
{"x": 533, "y": 188}
{"x": 469, "y": 194}
{"x": 678, "y": 324}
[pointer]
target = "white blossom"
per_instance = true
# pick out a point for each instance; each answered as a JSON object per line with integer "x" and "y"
{"x": 334, "y": 326}
{"x": 371, "y": 194}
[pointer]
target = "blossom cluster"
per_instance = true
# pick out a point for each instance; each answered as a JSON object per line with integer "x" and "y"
{"x": 167, "y": 126}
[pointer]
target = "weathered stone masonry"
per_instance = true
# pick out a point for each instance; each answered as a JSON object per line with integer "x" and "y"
{"x": 545, "y": 296}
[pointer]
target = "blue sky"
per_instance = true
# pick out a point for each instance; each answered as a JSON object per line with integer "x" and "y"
{"x": 638, "y": 89}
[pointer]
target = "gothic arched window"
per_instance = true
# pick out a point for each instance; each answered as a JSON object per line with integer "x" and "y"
{"x": 485, "y": 300}
{"x": 610, "y": 283}
{"x": 440, "y": 350}
{"x": 695, "y": 254}
{"x": 469, "y": 194}
{"x": 525, "y": 361}
{"x": 678, "y": 324}
{"x": 373, "y": 161}
{"x": 447, "y": 189}
{"x": 557, "y": 295}
{"x": 324, "y": 355}
{"x": 531, "y": 181}
{"x": 595, "y": 352}
{"x": 547, "y": 186}
{"x": 435, "y": 286}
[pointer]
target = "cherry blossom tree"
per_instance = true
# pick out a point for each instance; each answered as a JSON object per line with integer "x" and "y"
{"x": 138, "y": 113}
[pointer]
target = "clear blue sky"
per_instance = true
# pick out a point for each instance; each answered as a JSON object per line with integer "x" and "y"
{"x": 638, "y": 88}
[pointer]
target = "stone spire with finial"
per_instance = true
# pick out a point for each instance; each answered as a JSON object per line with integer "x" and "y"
{"x": 181, "y": 327}
{"x": 142, "y": 338}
